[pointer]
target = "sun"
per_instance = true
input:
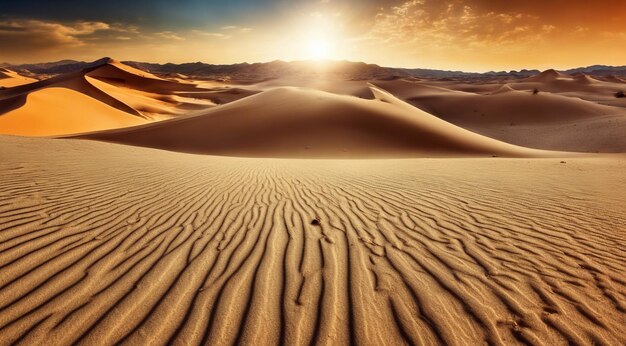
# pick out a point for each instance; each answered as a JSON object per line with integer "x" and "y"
{"x": 316, "y": 37}
{"x": 319, "y": 48}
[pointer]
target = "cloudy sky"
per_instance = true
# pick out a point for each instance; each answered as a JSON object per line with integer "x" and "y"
{"x": 471, "y": 35}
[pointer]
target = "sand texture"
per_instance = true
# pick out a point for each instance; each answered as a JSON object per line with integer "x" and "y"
{"x": 103, "y": 243}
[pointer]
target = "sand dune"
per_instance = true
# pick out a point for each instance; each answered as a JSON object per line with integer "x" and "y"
{"x": 9, "y": 79}
{"x": 585, "y": 79}
{"x": 578, "y": 85}
{"x": 567, "y": 105}
{"x": 545, "y": 121}
{"x": 505, "y": 88}
{"x": 295, "y": 122}
{"x": 614, "y": 79}
{"x": 122, "y": 88}
{"x": 169, "y": 248}
{"x": 548, "y": 76}
{"x": 358, "y": 88}
{"x": 117, "y": 73}
{"x": 152, "y": 105}
{"x": 556, "y": 82}
{"x": 47, "y": 112}
{"x": 71, "y": 81}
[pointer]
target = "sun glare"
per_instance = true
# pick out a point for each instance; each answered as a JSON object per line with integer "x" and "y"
{"x": 319, "y": 48}
{"x": 318, "y": 40}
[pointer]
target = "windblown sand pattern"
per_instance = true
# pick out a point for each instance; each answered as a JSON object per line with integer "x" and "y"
{"x": 102, "y": 244}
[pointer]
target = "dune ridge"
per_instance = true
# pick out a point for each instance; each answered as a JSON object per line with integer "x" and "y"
{"x": 169, "y": 248}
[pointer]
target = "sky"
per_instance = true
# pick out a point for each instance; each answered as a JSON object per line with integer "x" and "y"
{"x": 469, "y": 35}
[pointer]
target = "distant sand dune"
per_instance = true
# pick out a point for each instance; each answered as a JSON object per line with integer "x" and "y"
{"x": 9, "y": 79}
{"x": 117, "y": 73}
{"x": 557, "y": 82}
{"x": 614, "y": 79}
{"x": 550, "y": 121}
{"x": 106, "y": 244}
{"x": 548, "y": 76}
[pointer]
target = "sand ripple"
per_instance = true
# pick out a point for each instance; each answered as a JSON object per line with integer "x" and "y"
{"x": 103, "y": 244}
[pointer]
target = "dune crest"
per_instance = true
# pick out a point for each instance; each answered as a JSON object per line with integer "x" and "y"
{"x": 585, "y": 79}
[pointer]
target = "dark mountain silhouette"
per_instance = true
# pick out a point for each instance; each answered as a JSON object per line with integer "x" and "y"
{"x": 276, "y": 69}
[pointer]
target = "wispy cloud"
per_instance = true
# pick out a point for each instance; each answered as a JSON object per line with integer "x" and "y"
{"x": 169, "y": 35}
{"x": 211, "y": 34}
{"x": 45, "y": 33}
{"x": 437, "y": 24}
{"x": 236, "y": 28}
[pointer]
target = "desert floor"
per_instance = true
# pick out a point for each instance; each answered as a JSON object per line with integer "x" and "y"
{"x": 102, "y": 243}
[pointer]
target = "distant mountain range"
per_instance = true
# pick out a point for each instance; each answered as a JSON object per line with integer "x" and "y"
{"x": 280, "y": 69}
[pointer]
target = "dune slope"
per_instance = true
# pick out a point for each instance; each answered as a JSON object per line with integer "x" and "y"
{"x": 295, "y": 122}
{"x": 57, "y": 111}
{"x": 170, "y": 248}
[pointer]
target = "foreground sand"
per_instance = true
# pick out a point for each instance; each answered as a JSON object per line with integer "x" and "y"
{"x": 101, "y": 243}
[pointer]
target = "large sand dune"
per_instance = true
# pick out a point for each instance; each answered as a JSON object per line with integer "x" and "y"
{"x": 295, "y": 122}
{"x": 105, "y": 244}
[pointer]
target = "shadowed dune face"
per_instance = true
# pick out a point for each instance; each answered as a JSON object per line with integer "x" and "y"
{"x": 187, "y": 249}
{"x": 294, "y": 122}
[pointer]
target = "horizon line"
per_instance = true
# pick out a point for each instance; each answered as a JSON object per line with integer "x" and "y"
{"x": 311, "y": 61}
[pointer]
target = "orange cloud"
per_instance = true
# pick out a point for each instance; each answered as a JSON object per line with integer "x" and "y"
{"x": 468, "y": 34}
{"x": 38, "y": 31}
